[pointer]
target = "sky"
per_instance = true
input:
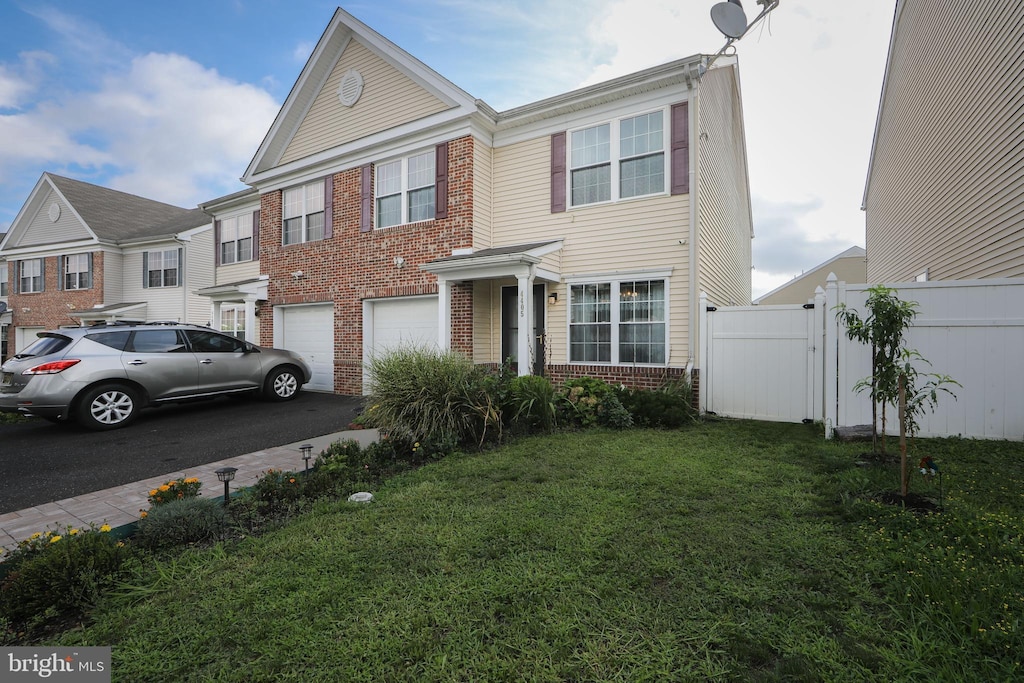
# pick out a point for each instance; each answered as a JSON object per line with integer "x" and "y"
{"x": 171, "y": 100}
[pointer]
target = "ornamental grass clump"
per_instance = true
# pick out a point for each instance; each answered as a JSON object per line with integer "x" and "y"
{"x": 59, "y": 572}
{"x": 183, "y": 521}
{"x": 174, "y": 490}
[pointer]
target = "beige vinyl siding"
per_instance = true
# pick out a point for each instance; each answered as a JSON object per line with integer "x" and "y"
{"x": 163, "y": 303}
{"x": 42, "y": 230}
{"x": 482, "y": 194}
{"x": 237, "y": 272}
{"x": 946, "y": 190}
{"x": 724, "y": 223}
{"x": 625, "y": 236}
{"x": 389, "y": 99}
{"x": 486, "y": 321}
{"x": 801, "y": 289}
{"x": 200, "y": 274}
{"x": 114, "y": 278}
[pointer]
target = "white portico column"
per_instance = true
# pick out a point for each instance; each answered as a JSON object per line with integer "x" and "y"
{"x": 252, "y": 334}
{"x": 524, "y": 351}
{"x": 444, "y": 314}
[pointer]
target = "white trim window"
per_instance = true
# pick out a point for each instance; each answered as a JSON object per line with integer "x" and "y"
{"x": 405, "y": 191}
{"x": 236, "y": 239}
{"x": 303, "y": 209}
{"x": 163, "y": 268}
{"x": 77, "y": 271}
{"x": 619, "y": 322}
{"x": 232, "y": 320}
{"x": 3, "y": 279}
{"x": 30, "y": 277}
{"x": 637, "y": 143}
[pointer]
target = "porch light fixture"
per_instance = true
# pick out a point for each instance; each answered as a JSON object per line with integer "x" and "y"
{"x": 552, "y": 298}
{"x": 226, "y": 474}
{"x": 307, "y": 453}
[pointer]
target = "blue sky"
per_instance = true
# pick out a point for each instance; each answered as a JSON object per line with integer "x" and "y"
{"x": 170, "y": 100}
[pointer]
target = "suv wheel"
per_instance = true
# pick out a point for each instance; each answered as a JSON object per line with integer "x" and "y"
{"x": 108, "y": 407}
{"x": 282, "y": 384}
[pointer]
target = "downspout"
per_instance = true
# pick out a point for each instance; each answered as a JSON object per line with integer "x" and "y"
{"x": 185, "y": 258}
{"x": 694, "y": 293}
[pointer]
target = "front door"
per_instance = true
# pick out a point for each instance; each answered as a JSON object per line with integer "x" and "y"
{"x": 510, "y": 326}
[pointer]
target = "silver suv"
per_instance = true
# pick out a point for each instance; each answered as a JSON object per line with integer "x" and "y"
{"x": 101, "y": 376}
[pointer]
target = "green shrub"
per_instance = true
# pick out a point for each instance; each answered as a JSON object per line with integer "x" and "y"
{"x": 584, "y": 397}
{"x": 424, "y": 395}
{"x": 60, "y": 572}
{"x": 611, "y": 413}
{"x": 533, "y": 402}
{"x": 182, "y": 521}
{"x": 667, "y": 408}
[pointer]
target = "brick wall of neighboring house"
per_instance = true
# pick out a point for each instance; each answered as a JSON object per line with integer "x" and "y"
{"x": 354, "y": 265}
{"x": 50, "y": 308}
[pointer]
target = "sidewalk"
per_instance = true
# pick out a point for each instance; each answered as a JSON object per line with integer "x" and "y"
{"x": 121, "y": 505}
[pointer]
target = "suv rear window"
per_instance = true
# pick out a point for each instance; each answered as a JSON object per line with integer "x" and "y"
{"x": 115, "y": 340}
{"x": 45, "y": 345}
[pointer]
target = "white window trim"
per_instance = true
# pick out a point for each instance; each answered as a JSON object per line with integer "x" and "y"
{"x": 239, "y": 316}
{"x": 21, "y": 276}
{"x": 615, "y": 159}
{"x": 306, "y": 213}
{"x": 615, "y": 280}
{"x": 66, "y": 272}
{"x": 221, "y": 241}
{"x": 150, "y": 268}
{"x": 405, "y": 189}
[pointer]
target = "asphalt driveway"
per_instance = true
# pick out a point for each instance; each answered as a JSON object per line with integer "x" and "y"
{"x": 42, "y": 462}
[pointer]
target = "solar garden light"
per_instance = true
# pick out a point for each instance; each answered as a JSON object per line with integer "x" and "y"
{"x": 226, "y": 474}
{"x": 307, "y": 453}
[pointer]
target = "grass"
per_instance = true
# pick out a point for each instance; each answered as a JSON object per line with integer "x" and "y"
{"x": 731, "y": 551}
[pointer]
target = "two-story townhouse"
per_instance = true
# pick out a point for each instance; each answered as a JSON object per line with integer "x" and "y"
{"x": 5, "y": 309}
{"x": 570, "y": 235}
{"x": 944, "y": 196}
{"x": 79, "y": 254}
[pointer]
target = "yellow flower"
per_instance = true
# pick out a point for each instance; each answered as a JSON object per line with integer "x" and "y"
{"x": 191, "y": 480}
{"x": 143, "y": 514}
{"x": 153, "y": 492}
{"x": 73, "y": 532}
{"x": 105, "y": 528}
{"x": 55, "y": 539}
{"x": 35, "y": 536}
{"x": 165, "y": 487}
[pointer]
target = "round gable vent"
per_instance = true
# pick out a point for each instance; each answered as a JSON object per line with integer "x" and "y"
{"x": 54, "y": 212}
{"x": 350, "y": 88}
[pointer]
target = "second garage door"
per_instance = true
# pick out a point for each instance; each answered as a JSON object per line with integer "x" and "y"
{"x": 400, "y": 322}
{"x": 309, "y": 331}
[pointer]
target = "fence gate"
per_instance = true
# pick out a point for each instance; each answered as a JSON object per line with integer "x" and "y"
{"x": 763, "y": 362}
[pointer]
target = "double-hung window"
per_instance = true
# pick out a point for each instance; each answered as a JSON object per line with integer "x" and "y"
{"x": 30, "y": 276}
{"x": 618, "y": 322}
{"x": 162, "y": 268}
{"x": 236, "y": 239}
{"x": 3, "y": 279}
{"x": 405, "y": 191}
{"x": 77, "y": 271}
{"x": 618, "y": 160}
{"x": 232, "y": 320}
{"x": 303, "y": 213}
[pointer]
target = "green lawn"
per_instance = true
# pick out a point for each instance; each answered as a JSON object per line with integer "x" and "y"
{"x": 734, "y": 551}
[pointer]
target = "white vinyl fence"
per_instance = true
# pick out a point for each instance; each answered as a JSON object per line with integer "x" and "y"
{"x": 752, "y": 365}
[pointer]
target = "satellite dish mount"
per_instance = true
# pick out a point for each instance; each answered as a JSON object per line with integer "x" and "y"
{"x": 729, "y": 18}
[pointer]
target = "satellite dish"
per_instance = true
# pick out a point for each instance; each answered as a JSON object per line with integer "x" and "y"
{"x": 730, "y": 19}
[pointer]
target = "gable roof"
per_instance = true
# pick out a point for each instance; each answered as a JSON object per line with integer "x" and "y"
{"x": 119, "y": 216}
{"x": 340, "y": 32}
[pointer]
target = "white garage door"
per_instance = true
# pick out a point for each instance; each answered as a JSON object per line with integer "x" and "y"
{"x": 400, "y": 322}
{"x": 309, "y": 331}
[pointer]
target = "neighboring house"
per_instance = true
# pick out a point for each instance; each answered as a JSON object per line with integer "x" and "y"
{"x": 5, "y": 309}
{"x": 79, "y": 254}
{"x": 944, "y": 197}
{"x": 570, "y": 235}
{"x": 848, "y": 266}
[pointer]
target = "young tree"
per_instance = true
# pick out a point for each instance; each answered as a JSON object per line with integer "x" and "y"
{"x": 887, "y": 321}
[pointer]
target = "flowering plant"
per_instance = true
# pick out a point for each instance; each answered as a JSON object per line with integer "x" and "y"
{"x": 175, "y": 490}
{"x": 928, "y": 466}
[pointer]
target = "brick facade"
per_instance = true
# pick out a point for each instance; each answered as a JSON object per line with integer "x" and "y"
{"x": 49, "y": 308}
{"x": 353, "y": 266}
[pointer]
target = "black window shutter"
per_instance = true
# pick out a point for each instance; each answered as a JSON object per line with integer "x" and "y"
{"x": 328, "y": 207}
{"x": 16, "y": 285}
{"x": 216, "y": 243}
{"x": 256, "y": 235}
{"x": 88, "y": 275}
{"x": 181, "y": 267}
{"x": 42, "y": 275}
{"x": 61, "y": 261}
{"x": 366, "y": 198}
{"x": 680, "y": 162}
{"x": 441, "y": 181}
{"x": 558, "y": 172}
{"x": 145, "y": 270}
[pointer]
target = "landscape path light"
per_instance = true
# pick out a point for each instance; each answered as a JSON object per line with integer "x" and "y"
{"x": 226, "y": 474}
{"x": 307, "y": 453}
